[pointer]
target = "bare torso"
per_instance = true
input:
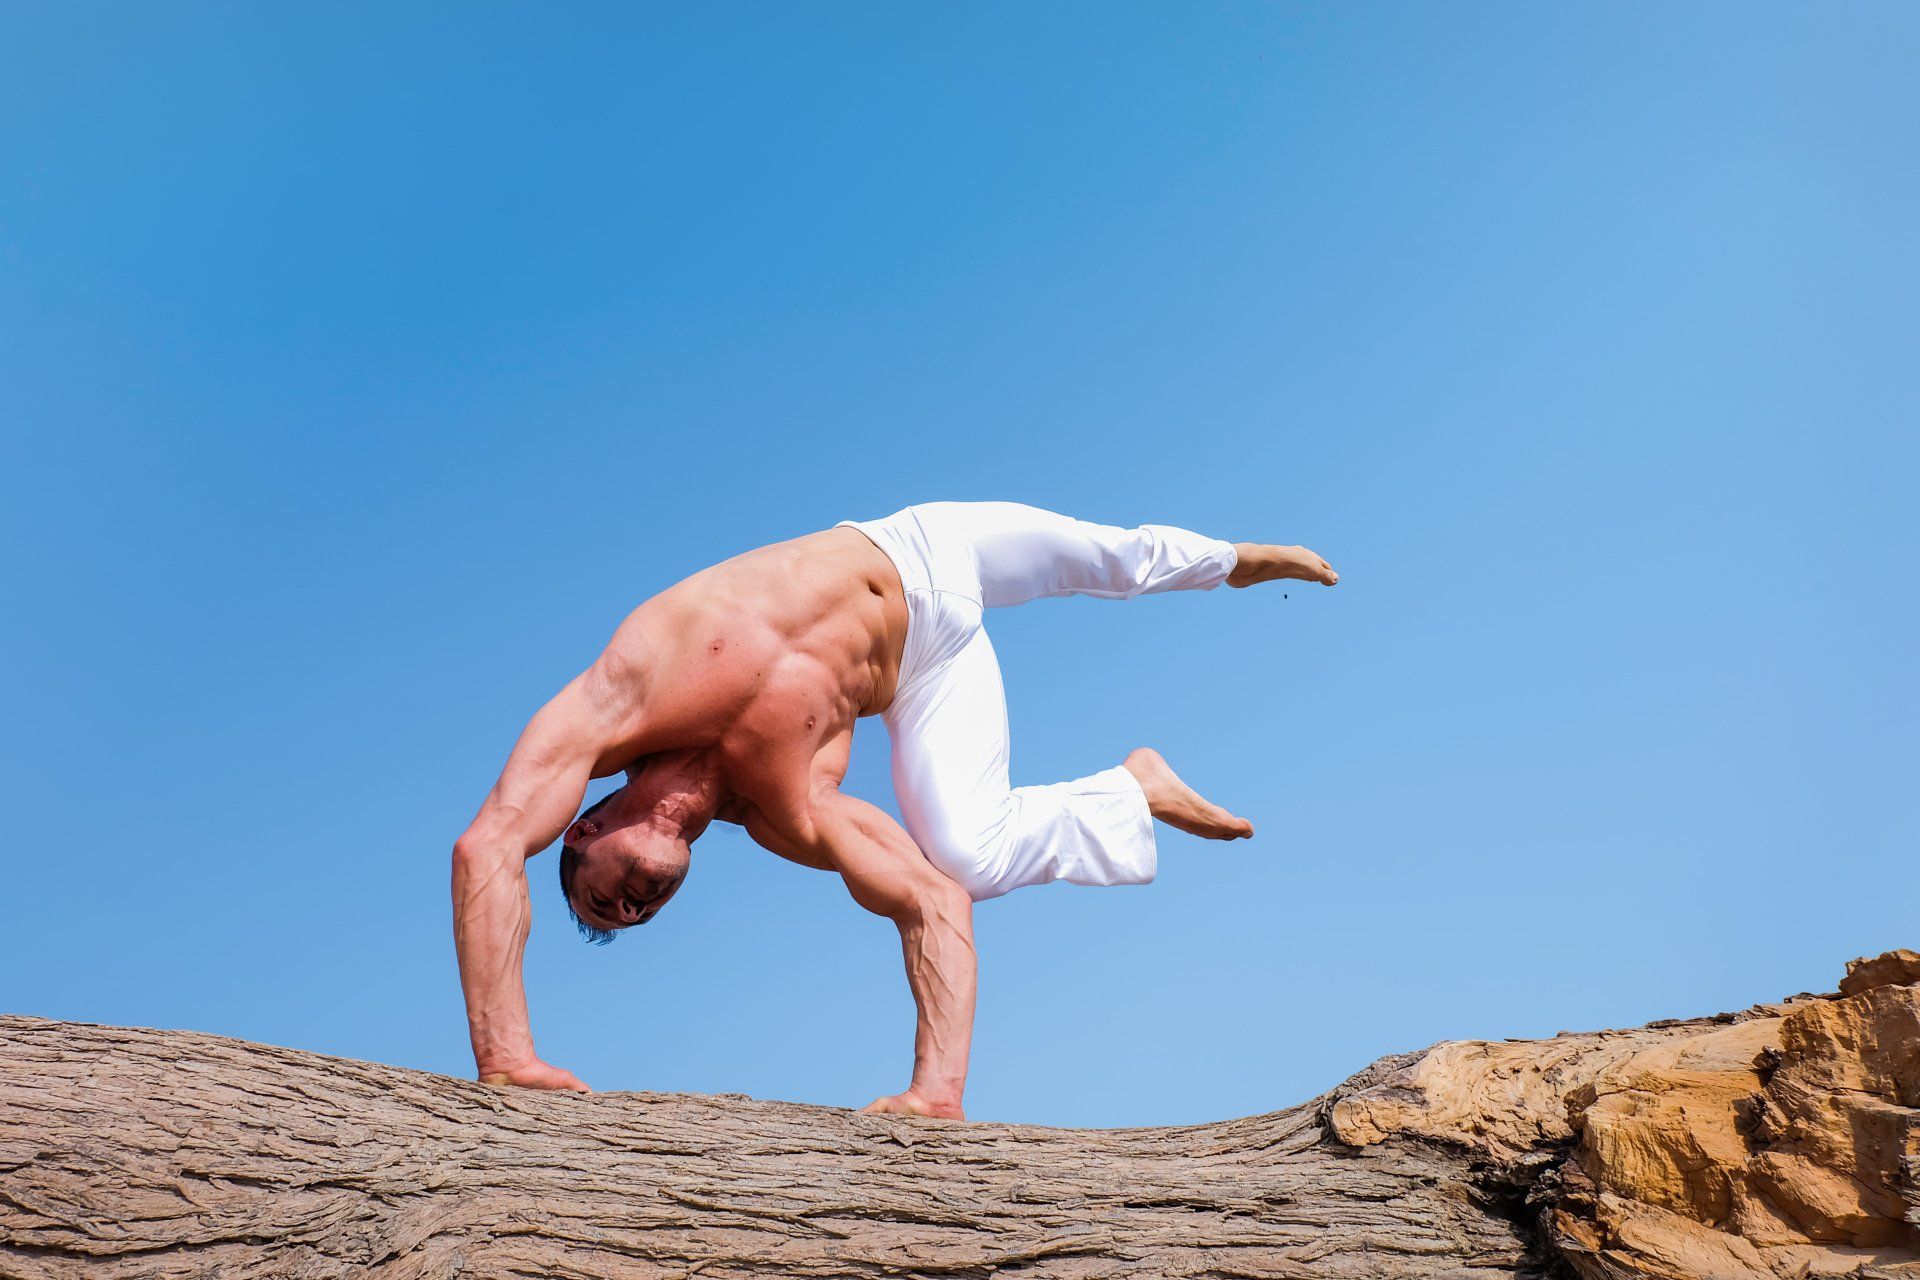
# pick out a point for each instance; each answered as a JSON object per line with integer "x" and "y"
{"x": 765, "y": 661}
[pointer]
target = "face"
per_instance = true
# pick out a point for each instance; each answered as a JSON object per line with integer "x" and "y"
{"x": 628, "y": 870}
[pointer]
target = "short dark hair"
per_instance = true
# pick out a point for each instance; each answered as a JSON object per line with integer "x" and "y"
{"x": 569, "y": 865}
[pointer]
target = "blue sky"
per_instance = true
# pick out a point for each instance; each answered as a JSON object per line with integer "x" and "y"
{"x": 362, "y": 365}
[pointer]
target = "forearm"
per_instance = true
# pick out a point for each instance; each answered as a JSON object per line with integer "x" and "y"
{"x": 491, "y": 920}
{"x": 886, "y": 874}
{"x": 937, "y": 937}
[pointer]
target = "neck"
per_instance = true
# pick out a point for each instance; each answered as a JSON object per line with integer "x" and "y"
{"x": 681, "y": 790}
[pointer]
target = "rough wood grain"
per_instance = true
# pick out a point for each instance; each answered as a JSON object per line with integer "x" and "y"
{"x": 1776, "y": 1142}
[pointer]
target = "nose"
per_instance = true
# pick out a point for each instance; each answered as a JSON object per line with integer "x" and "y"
{"x": 629, "y": 914}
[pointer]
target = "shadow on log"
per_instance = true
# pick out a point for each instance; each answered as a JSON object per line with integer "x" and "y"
{"x": 1782, "y": 1141}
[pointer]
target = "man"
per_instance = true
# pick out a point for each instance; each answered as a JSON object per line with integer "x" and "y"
{"x": 733, "y": 695}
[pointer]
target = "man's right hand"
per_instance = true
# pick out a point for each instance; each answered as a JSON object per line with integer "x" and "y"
{"x": 535, "y": 1075}
{"x": 528, "y": 809}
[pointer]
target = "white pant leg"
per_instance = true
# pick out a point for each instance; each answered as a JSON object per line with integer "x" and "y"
{"x": 949, "y": 718}
{"x": 950, "y": 756}
{"x": 1021, "y": 553}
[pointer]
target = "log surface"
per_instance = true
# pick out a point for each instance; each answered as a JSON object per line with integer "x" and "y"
{"x": 1781, "y": 1141}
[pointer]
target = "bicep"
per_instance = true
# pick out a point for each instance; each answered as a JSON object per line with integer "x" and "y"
{"x": 882, "y": 866}
{"x": 545, "y": 777}
{"x": 802, "y": 814}
{"x": 771, "y": 838}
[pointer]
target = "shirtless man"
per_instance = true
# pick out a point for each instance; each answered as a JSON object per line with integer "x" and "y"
{"x": 733, "y": 695}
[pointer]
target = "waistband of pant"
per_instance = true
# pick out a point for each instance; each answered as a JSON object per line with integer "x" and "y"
{"x": 908, "y": 561}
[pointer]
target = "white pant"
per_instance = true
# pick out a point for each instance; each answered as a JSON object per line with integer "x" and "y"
{"x": 949, "y": 717}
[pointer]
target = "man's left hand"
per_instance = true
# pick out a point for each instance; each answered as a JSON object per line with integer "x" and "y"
{"x": 913, "y": 1104}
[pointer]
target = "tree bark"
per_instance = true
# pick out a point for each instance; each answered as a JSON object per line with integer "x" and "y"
{"x": 1780, "y": 1141}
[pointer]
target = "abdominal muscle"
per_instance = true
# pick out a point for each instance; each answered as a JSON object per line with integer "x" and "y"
{"x": 834, "y": 602}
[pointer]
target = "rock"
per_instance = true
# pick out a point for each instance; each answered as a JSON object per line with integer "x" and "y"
{"x": 1894, "y": 969}
{"x": 1785, "y": 1142}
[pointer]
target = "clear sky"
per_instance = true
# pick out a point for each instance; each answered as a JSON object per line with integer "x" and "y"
{"x": 362, "y": 365}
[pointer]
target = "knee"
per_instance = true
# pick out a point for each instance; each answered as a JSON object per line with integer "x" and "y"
{"x": 964, "y": 856}
{"x": 977, "y": 886}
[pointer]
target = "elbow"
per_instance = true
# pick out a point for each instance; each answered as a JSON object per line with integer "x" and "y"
{"x": 466, "y": 867}
{"x": 475, "y": 857}
{"x": 939, "y": 901}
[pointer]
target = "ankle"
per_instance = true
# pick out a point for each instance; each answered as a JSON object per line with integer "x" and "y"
{"x": 1140, "y": 763}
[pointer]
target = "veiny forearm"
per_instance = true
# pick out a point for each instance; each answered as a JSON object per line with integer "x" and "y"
{"x": 942, "y": 969}
{"x": 529, "y": 807}
{"x": 491, "y": 920}
{"x": 886, "y": 873}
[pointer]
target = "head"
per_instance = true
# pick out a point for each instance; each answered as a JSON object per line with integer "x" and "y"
{"x": 620, "y": 862}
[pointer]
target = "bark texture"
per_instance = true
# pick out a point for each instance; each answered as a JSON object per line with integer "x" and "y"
{"x": 1782, "y": 1141}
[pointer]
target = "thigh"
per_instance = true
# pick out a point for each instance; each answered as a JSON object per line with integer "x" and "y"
{"x": 1019, "y": 553}
{"x": 950, "y": 758}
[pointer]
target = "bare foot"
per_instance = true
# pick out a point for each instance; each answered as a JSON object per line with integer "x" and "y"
{"x": 1179, "y": 805}
{"x": 1260, "y": 562}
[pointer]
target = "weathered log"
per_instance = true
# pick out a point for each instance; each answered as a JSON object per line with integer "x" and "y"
{"x": 1780, "y": 1141}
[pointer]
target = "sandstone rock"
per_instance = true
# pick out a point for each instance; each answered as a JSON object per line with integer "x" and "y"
{"x": 1893, "y": 969}
{"x": 1784, "y": 1141}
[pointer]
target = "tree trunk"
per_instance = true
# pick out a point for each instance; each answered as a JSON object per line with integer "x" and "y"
{"x": 1781, "y": 1141}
